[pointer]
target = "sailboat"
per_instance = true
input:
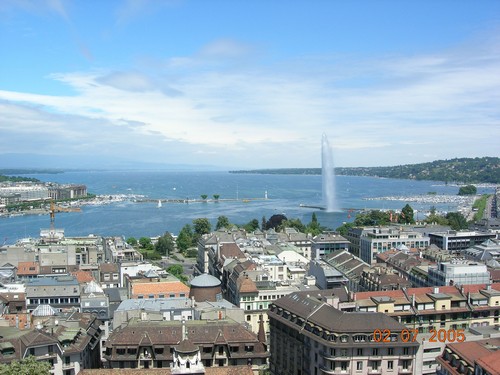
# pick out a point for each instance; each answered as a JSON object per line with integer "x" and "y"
{"x": 159, "y": 203}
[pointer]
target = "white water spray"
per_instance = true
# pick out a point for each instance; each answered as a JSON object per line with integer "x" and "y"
{"x": 328, "y": 174}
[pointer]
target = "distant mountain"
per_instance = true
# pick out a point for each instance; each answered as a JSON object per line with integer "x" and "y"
{"x": 461, "y": 170}
{"x": 26, "y": 163}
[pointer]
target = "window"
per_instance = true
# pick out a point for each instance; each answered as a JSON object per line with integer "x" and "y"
{"x": 375, "y": 351}
{"x": 161, "y": 295}
{"x": 390, "y": 365}
{"x": 359, "y": 365}
{"x": 182, "y": 294}
{"x": 360, "y": 351}
{"x": 390, "y": 351}
{"x": 249, "y": 318}
{"x": 406, "y": 351}
{"x": 151, "y": 296}
{"x": 343, "y": 366}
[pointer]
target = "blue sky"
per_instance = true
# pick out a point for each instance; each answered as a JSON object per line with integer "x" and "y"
{"x": 247, "y": 84}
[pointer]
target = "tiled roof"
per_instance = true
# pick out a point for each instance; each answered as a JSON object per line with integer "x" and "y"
{"x": 83, "y": 276}
{"x": 159, "y": 287}
{"x": 23, "y": 268}
{"x": 490, "y": 362}
{"x": 246, "y": 285}
{"x": 108, "y": 267}
{"x": 231, "y": 250}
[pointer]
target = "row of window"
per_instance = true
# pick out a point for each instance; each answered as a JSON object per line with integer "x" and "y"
{"x": 152, "y": 296}
{"x": 53, "y": 301}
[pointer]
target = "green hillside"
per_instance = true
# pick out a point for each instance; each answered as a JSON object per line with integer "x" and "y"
{"x": 462, "y": 170}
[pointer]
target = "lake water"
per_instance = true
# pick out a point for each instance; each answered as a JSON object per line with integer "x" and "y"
{"x": 285, "y": 194}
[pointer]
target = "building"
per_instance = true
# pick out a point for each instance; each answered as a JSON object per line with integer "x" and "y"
{"x": 61, "y": 292}
{"x": 146, "y": 345}
{"x": 310, "y": 336}
{"x": 67, "y": 191}
{"x": 151, "y": 285}
{"x": 459, "y": 241}
{"x": 68, "y": 341}
{"x": 326, "y": 243}
{"x": 459, "y": 272}
{"x": 471, "y": 358}
{"x": 382, "y": 239}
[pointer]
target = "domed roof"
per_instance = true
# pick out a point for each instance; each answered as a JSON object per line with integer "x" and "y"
{"x": 205, "y": 281}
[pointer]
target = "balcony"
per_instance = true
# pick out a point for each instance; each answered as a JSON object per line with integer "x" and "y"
{"x": 326, "y": 370}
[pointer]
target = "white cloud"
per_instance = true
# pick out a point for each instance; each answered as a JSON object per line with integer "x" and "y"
{"x": 391, "y": 108}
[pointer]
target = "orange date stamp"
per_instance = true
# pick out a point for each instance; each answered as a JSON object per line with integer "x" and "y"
{"x": 410, "y": 335}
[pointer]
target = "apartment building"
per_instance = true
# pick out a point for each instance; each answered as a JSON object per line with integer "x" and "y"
{"x": 143, "y": 344}
{"x": 459, "y": 241}
{"x": 459, "y": 272}
{"x": 68, "y": 341}
{"x": 61, "y": 292}
{"x": 326, "y": 243}
{"x": 310, "y": 336}
{"x": 150, "y": 285}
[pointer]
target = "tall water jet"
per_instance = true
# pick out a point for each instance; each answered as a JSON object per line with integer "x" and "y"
{"x": 328, "y": 174}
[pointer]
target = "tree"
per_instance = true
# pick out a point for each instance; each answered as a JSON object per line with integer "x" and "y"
{"x": 185, "y": 238}
{"x": 204, "y": 197}
{"x": 145, "y": 243}
{"x": 132, "y": 241}
{"x": 275, "y": 221}
{"x": 251, "y": 226}
{"x": 165, "y": 244}
{"x": 177, "y": 271}
{"x": 456, "y": 220}
{"x": 292, "y": 223}
{"x": 28, "y": 366}
{"x": 467, "y": 190}
{"x": 216, "y": 197}
{"x": 263, "y": 224}
{"x": 222, "y": 222}
{"x": 201, "y": 226}
{"x": 406, "y": 216}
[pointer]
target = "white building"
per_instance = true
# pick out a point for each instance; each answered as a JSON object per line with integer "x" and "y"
{"x": 458, "y": 272}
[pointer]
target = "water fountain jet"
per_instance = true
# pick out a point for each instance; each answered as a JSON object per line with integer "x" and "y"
{"x": 328, "y": 175}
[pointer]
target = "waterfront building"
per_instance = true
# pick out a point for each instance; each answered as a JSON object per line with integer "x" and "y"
{"x": 310, "y": 336}
{"x": 26, "y": 192}
{"x": 69, "y": 191}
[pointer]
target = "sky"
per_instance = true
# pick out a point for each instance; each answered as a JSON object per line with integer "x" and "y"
{"x": 236, "y": 84}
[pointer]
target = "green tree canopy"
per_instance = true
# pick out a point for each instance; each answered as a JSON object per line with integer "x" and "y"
{"x": 456, "y": 220}
{"x": 406, "y": 216}
{"x": 185, "y": 238}
{"x": 132, "y": 241}
{"x": 467, "y": 190}
{"x": 216, "y": 197}
{"x": 222, "y": 222}
{"x": 251, "y": 226}
{"x": 145, "y": 243}
{"x": 204, "y": 196}
{"x": 28, "y": 366}
{"x": 165, "y": 244}
{"x": 177, "y": 271}
{"x": 201, "y": 226}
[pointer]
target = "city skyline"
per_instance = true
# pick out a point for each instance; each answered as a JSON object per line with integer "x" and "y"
{"x": 247, "y": 84}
